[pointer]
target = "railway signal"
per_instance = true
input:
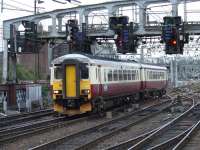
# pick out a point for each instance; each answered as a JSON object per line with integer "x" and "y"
{"x": 75, "y": 38}
{"x": 125, "y": 41}
{"x": 24, "y": 41}
{"x": 173, "y": 35}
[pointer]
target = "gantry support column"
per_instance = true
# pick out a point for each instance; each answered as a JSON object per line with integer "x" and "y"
{"x": 111, "y": 10}
{"x": 174, "y": 7}
{"x": 86, "y": 13}
{"x": 50, "y": 54}
{"x": 60, "y": 23}
{"x": 5, "y": 62}
{"x": 81, "y": 18}
{"x": 54, "y": 30}
{"x": 142, "y": 17}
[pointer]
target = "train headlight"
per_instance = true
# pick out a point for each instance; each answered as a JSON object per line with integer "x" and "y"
{"x": 57, "y": 92}
{"x": 85, "y": 92}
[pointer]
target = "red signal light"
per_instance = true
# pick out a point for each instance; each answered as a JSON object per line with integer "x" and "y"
{"x": 173, "y": 42}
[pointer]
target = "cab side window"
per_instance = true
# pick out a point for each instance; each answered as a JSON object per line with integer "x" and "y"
{"x": 84, "y": 71}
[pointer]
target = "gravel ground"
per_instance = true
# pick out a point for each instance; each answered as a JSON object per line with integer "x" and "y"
{"x": 34, "y": 140}
{"x": 136, "y": 130}
{"x": 194, "y": 143}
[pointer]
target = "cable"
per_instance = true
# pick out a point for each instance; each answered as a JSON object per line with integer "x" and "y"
{"x": 18, "y": 9}
{"x": 13, "y": 6}
{"x": 24, "y": 4}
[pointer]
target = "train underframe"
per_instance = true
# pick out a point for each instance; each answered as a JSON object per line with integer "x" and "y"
{"x": 99, "y": 104}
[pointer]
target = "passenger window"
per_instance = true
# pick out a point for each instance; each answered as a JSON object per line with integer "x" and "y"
{"x": 120, "y": 75}
{"x": 115, "y": 74}
{"x": 125, "y": 75}
{"x": 129, "y": 74}
{"x": 133, "y": 74}
{"x": 110, "y": 75}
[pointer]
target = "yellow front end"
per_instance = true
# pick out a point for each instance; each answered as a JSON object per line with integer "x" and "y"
{"x": 74, "y": 97}
{"x": 85, "y": 92}
{"x": 57, "y": 94}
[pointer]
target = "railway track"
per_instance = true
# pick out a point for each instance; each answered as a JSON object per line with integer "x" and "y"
{"x": 103, "y": 130}
{"x": 21, "y": 118}
{"x": 11, "y": 117}
{"x": 171, "y": 133}
{"x": 28, "y": 129}
{"x": 11, "y": 133}
{"x": 125, "y": 144}
{"x": 190, "y": 140}
{"x": 142, "y": 128}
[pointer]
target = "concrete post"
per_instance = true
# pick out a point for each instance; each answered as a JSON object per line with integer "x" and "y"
{"x": 5, "y": 106}
{"x": 176, "y": 73}
{"x": 5, "y": 62}
{"x": 172, "y": 72}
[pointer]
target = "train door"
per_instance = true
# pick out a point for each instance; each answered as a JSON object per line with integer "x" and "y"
{"x": 99, "y": 79}
{"x": 70, "y": 81}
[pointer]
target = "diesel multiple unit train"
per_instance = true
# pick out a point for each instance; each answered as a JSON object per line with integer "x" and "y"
{"x": 83, "y": 83}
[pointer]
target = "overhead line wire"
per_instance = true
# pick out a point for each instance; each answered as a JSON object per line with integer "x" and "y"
{"x": 24, "y": 4}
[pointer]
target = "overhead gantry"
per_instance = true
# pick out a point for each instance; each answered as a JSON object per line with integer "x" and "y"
{"x": 82, "y": 12}
{"x": 57, "y": 23}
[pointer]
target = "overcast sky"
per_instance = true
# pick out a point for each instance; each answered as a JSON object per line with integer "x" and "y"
{"x": 48, "y": 5}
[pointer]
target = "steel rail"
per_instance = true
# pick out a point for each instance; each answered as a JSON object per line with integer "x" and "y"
{"x": 37, "y": 128}
{"x": 127, "y": 144}
{"x": 104, "y": 125}
{"x": 26, "y": 118}
{"x": 188, "y": 136}
{"x": 8, "y": 134}
{"x": 165, "y": 127}
{"x": 167, "y": 144}
{"x": 11, "y": 117}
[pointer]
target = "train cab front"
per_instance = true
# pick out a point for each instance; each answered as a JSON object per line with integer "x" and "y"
{"x": 71, "y": 88}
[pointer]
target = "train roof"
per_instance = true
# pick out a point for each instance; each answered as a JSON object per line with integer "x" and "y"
{"x": 103, "y": 61}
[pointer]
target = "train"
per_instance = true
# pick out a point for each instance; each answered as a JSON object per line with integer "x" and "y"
{"x": 84, "y": 83}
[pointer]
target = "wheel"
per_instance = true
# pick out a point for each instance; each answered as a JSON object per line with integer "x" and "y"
{"x": 141, "y": 96}
{"x": 98, "y": 105}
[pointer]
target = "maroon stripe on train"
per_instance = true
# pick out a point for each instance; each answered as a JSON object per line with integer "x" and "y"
{"x": 114, "y": 89}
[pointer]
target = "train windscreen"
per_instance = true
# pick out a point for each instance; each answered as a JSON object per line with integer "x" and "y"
{"x": 58, "y": 73}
